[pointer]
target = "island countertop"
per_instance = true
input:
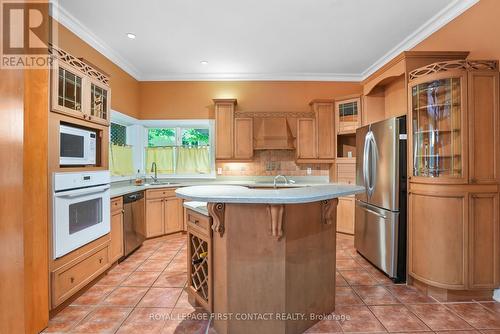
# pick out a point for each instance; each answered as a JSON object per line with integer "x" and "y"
{"x": 288, "y": 195}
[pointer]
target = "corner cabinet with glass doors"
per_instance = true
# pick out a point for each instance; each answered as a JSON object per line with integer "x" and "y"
{"x": 79, "y": 89}
{"x": 454, "y": 231}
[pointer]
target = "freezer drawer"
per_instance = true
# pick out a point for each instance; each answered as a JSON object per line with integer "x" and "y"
{"x": 376, "y": 236}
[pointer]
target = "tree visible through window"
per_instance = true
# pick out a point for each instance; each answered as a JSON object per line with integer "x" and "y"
{"x": 195, "y": 137}
{"x": 161, "y": 137}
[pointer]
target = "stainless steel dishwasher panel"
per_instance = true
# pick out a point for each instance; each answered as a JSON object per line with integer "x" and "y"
{"x": 376, "y": 236}
{"x": 134, "y": 222}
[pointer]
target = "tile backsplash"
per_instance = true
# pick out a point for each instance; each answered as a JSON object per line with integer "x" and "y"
{"x": 272, "y": 162}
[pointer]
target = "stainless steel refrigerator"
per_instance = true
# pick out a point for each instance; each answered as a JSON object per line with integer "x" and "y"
{"x": 380, "y": 216}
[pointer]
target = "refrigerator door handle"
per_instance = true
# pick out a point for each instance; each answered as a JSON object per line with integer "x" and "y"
{"x": 365, "y": 161}
{"x": 373, "y": 164}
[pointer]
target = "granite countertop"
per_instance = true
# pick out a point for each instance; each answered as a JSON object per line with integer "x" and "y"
{"x": 123, "y": 188}
{"x": 254, "y": 195}
{"x": 200, "y": 207}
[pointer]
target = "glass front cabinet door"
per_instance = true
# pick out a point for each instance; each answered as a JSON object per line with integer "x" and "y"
{"x": 78, "y": 90}
{"x": 67, "y": 90}
{"x": 348, "y": 115}
{"x": 438, "y": 128}
{"x": 99, "y": 102}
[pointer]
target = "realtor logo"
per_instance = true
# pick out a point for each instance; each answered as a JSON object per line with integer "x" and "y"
{"x": 26, "y": 30}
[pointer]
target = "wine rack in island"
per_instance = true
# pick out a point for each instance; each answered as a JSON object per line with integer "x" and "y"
{"x": 454, "y": 231}
{"x": 199, "y": 258}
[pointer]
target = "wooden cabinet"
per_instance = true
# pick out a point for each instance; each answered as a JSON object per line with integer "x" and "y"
{"x": 164, "y": 212}
{"x": 484, "y": 241}
{"x": 325, "y": 125}
{"x": 79, "y": 89}
{"x": 154, "y": 217}
{"x": 116, "y": 233}
{"x": 75, "y": 274}
{"x": 345, "y": 215}
{"x": 224, "y": 128}
{"x": 347, "y": 114}
{"x": 306, "y": 138}
{"x": 453, "y": 166}
{"x": 316, "y": 135}
{"x": 437, "y": 252}
{"x": 243, "y": 138}
{"x": 233, "y": 136}
{"x": 173, "y": 215}
{"x": 200, "y": 276}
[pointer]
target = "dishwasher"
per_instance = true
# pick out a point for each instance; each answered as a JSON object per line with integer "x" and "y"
{"x": 134, "y": 222}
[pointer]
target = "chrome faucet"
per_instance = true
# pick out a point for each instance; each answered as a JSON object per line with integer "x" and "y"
{"x": 154, "y": 169}
{"x": 279, "y": 177}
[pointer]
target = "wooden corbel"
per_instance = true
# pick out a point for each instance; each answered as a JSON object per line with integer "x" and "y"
{"x": 329, "y": 211}
{"x": 276, "y": 214}
{"x": 216, "y": 211}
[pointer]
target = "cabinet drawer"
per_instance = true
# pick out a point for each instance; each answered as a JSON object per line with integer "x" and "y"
{"x": 116, "y": 204}
{"x": 67, "y": 280}
{"x": 198, "y": 222}
{"x": 160, "y": 193}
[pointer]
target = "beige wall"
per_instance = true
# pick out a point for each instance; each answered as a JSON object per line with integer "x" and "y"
{"x": 193, "y": 99}
{"x": 477, "y": 30}
{"x": 124, "y": 88}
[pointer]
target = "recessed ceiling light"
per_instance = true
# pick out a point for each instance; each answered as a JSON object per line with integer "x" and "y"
{"x": 130, "y": 35}
{"x": 204, "y": 62}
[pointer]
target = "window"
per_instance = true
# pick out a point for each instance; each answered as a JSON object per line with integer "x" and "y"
{"x": 179, "y": 150}
{"x": 121, "y": 162}
{"x": 118, "y": 134}
{"x": 161, "y": 137}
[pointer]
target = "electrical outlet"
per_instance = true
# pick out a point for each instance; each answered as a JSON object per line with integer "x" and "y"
{"x": 309, "y": 171}
{"x": 219, "y": 171}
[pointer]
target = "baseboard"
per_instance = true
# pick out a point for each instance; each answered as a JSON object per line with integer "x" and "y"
{"x": 496, "y": 295}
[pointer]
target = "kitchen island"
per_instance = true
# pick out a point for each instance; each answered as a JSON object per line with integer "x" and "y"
{"x": 273, "y": 255}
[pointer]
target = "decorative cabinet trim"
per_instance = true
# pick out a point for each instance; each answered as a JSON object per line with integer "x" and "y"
{"x": 216, "y": 211}
{"x": 329, "y": 211}
{"x": 269, "y": 114}
{"x": 276, "y": 214}
{"x": 444, "y": 66}
{"x": 79, "y": 64}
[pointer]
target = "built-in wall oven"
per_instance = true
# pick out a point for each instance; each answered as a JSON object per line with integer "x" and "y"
{"x": 77, "y": 146}
{"x": 81, "y": 209}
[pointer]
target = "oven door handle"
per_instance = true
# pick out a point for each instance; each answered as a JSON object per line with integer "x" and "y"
{"x": 80, "y": 192}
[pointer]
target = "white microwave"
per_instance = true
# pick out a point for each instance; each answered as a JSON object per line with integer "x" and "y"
{"x": 77, "y": 146}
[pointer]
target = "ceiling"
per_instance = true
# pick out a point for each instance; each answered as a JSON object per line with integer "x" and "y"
{"x": 254, "y": 39}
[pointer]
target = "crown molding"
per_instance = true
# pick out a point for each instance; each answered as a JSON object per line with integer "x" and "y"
{"x": 439, "y": 20}
{"x": 62, "y": 16}
{"x": 443, "y": 17}
{"x": 254, "y": 77}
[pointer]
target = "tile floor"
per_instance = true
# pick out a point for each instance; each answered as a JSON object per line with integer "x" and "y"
{"x": 144, "y": 294}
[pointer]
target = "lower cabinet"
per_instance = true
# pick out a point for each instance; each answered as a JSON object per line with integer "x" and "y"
{"x": 200, "y": 284}
{"x": 83, "y": 267}
{"x": 116, "y": 234}
{"x": 454, "y": 237}
{"x": 345, "y": 215}
{"x": 164, "y": 212}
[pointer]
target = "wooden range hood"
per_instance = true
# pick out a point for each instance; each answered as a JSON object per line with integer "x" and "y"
{"x": 273, "y": 133}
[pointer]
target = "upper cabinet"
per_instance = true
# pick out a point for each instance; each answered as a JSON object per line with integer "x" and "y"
{"x": 233, "y": 136}
{"x": 316, "y": 134}
{"x": 79, "y": 89}
{"x": 454, "y": 122}
{"x": 348, "y": 114}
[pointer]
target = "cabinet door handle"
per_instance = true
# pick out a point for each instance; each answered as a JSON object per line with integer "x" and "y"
{"x": 71, "y": 279}
{"x": 196, "y": 222}
{"x": 123, "y": 211}
{"x": 100, "y": 260}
